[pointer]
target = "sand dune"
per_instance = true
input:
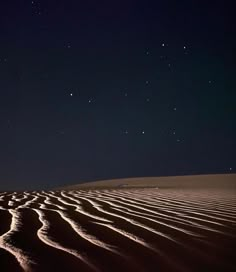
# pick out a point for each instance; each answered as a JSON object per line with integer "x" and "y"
{"x": 115, "y": 229}
{"x": 196, "y": 181}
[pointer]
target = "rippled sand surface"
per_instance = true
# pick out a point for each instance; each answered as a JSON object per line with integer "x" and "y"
{"x": 121, "y": 229}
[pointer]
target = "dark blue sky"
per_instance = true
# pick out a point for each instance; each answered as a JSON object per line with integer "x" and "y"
{"x": 95, "y": 89}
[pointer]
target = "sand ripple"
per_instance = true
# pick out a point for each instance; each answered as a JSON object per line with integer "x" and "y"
{"x": 119, "y": 229}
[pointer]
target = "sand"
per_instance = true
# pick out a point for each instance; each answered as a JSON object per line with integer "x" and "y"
{"x": 221, "y": 181}
{"x": 125, "y": 226}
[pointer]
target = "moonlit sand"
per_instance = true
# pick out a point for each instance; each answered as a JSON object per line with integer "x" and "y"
{"x": 141, "y": 224}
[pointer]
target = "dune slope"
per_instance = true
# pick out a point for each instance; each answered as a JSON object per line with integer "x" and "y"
{"x": 169, "y": 228}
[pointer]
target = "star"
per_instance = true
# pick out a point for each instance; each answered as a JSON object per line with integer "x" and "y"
{"x": 71, "y": 94}
{"x": 209, "y": 81}
{"x": 147, "y": 53}
{"x": 143, "y": 132}
{"x": 147, "y": 82}
{"x": 174, "y": 109}
{"x": 148, "y": 100}
{"x": 126, "y": 94}
{"x": 184, "y": 47}
{"x": 90, "y": 101}
{"x": 9, "y": 123}
{"x": 174, "y": 132}
{"x": 163, "y": 45}
{"x": 230, "y": 169}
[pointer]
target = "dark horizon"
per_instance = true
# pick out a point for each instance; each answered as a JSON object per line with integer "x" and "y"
{"x": 93, "y": 91}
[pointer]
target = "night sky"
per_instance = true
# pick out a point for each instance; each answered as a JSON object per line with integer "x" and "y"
{"x": 109, "y": 89}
